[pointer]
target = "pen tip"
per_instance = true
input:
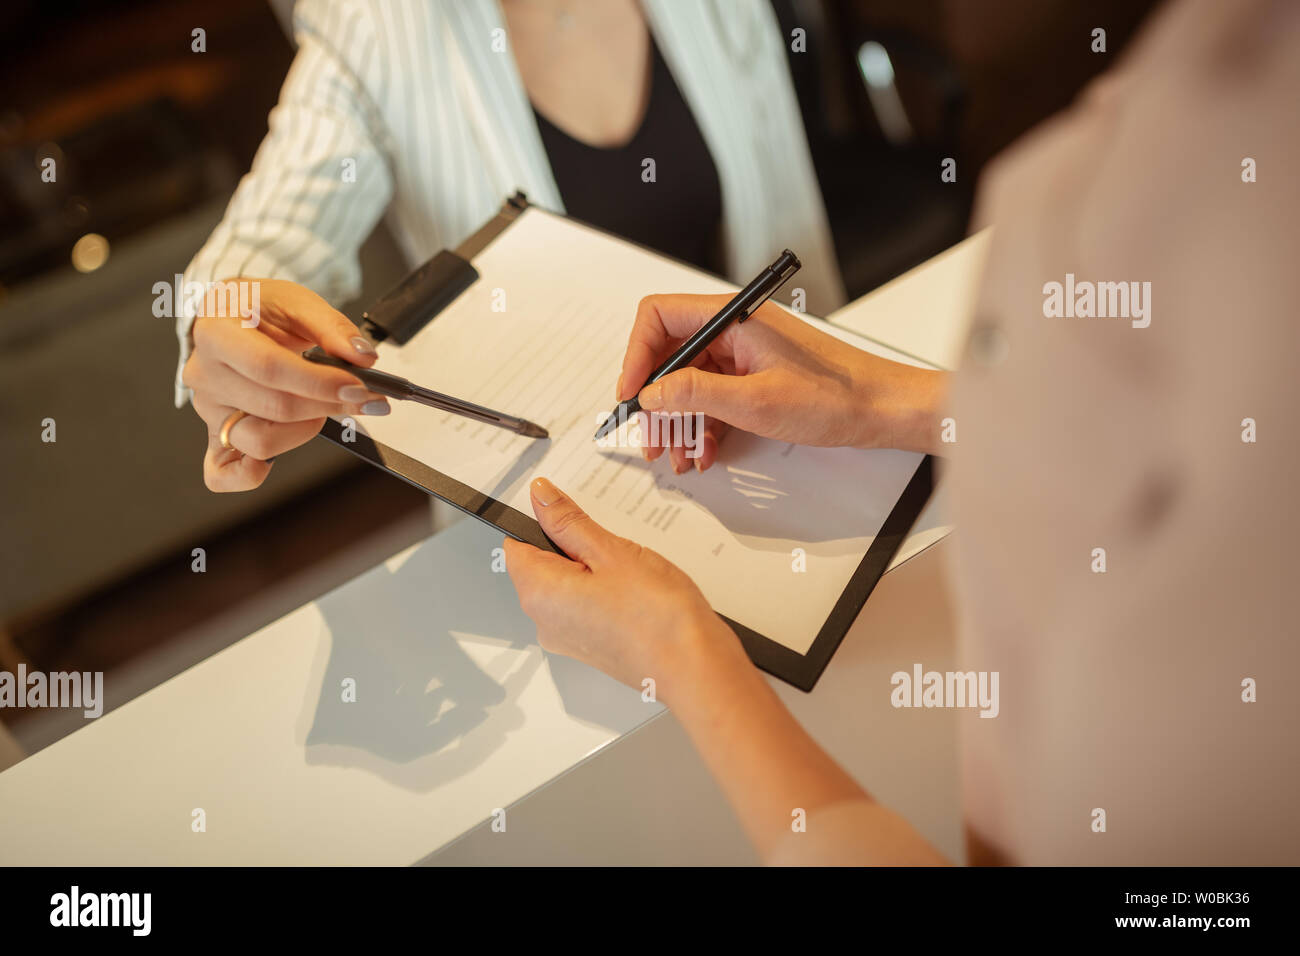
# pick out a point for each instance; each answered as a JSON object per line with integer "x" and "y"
{"x": 534, "y": 431}
{"x": 622, "y": 413}
{"x": 606, "y": 428}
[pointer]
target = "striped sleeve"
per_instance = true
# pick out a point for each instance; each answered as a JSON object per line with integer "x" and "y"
{"x": 321, "y": 178}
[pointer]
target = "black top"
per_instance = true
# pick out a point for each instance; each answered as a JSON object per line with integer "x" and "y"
{"x": 680, "y": 212}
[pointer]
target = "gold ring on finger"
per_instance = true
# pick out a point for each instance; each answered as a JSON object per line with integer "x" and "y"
{"x": 227, "y": 425}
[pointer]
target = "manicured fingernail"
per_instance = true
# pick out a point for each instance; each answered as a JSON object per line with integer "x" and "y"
{"x": 378, "y": 407}
{"x": 354, "y": 394}
{"x": 618, "y": 390}
{"x": 362, "y": 346}
{"x": 645, "y": 452}
{"x": 652, "y": 397}
{"x": 678, "y": 469}
{"x": 702, "y": 448}
{"x": 545, "y": 492}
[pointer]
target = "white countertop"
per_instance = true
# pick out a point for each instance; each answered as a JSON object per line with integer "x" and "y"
{"x": 453, "y": 720}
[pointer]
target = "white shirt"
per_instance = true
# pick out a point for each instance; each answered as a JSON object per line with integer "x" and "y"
{"x": 416, "y": 110}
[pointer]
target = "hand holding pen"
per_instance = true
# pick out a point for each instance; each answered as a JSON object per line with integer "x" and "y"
{"x": 247, "y": 380}
{"x": 737, "y": 309}
{"x": 780, "y": 377}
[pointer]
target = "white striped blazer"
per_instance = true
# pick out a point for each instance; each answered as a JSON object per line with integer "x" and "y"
{"x": 414, "y": 109}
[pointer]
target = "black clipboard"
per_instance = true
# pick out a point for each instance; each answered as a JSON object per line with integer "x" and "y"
{"x": 454, "y": 272}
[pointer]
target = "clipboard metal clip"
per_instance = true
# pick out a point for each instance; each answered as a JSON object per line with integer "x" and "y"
{"x": 415, "y": 301}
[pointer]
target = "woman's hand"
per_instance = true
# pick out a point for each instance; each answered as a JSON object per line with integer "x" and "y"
{"x": 776, "y": 376}
{"x": 627, "y": 611}
{"x": 254, "y": 364}
{"x": 617, "y": 606}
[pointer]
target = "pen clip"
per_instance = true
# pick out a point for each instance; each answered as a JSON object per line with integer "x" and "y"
{"x": 786, "y": 265}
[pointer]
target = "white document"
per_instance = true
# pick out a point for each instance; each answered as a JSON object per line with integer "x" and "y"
{"x": 771, "y": 533}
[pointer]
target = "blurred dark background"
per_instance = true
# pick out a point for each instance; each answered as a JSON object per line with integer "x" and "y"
{"x": 150, "y": 139}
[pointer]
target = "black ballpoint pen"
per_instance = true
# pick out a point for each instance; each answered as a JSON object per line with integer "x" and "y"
{"x": 394, "y": 386}
{"x": 745, "y": 303}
